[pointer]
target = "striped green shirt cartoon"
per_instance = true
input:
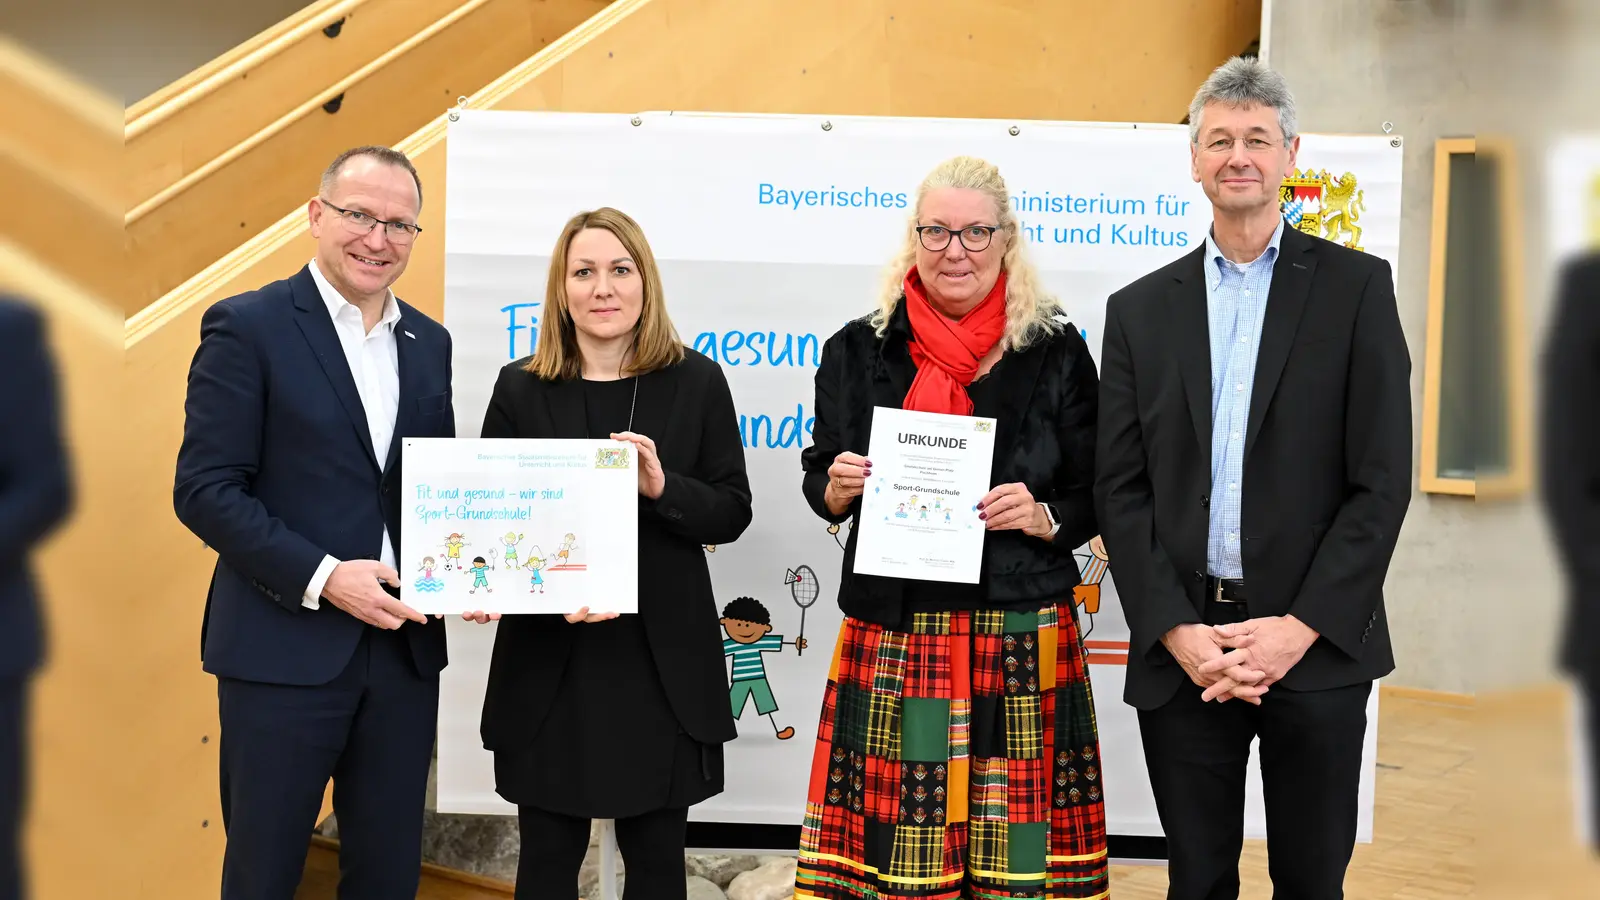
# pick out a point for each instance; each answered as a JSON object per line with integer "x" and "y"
{"x": 748, "y": 626}
{"x": 747, "y": 664}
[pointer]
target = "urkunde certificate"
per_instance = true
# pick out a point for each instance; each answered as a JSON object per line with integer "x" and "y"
{"x": 919, "y": 515}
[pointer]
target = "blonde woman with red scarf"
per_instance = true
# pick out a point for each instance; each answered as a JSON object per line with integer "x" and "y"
{"x": 957, "y": 754}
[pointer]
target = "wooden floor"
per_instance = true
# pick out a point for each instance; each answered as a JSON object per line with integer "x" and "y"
{"x": 1427, "y": 844}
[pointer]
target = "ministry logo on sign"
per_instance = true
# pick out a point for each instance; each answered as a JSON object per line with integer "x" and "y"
{"x": 611, "y": 458}
{"x": 1321, "y": 205}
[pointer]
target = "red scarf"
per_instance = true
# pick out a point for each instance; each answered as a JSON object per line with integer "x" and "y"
{"x": 946, "y": 353}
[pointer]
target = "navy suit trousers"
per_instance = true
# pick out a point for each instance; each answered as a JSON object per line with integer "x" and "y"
{"x": 13, "y": 783}
{"x": 371, "y": 730}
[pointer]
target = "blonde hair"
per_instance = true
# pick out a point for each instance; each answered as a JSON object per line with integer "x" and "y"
{"x": 1030, "y": 313}
{"x": 655, "y": 341}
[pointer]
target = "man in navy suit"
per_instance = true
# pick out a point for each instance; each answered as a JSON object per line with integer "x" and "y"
{"x": 300, "y": 396}
{"x": 35, "y": 496}
{"x": 1570, "y": 470}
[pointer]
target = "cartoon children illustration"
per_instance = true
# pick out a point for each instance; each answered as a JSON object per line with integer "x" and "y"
{"x": 748, "y": 626}
{"x": 564, "y": 552}
{"x": 427, "y": 582}
{"x": 900, "y": 511}
{"x": 452, "y": 550}
{"x": 924, "y": 511}
{"x": 536, "y": 563}
{"x": 510, "y": 540}
{"x": 833, "y": 529}
{"x": 480, "y": 577}
{"x": 947, "y": 517}
{"x": 1087, "y": 593}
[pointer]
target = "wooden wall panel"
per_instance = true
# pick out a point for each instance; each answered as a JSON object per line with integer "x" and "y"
{"x": 60, "y": 194}
{"x": 187, "y": 230}
{"x": 835, "y": 56}
{"x": 223, "y": 104}
{"x": 98, "y": 707}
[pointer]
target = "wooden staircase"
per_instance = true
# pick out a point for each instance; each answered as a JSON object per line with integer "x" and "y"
{"x": 218, "y": 156}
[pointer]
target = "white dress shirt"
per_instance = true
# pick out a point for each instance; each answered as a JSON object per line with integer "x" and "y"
{"x": 375, "y": 365}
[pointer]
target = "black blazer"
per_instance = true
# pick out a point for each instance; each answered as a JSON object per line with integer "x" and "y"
{"x": 1327, "y": 469}
{"x": 277, "y": 469}
{"x": 1570, "y": 396}
{"x": 687, "y": 410}
{"x": 35, "y": 482}
{"x": 1044, "y": 438}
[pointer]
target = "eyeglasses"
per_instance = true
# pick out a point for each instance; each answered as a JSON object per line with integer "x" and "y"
{"x": 398, "y": 232}
{"x": 972, "y": 237}
{"x": 1251, "y": 145}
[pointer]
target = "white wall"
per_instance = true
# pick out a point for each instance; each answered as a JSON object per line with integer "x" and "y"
{"x": 1474, "y": 596}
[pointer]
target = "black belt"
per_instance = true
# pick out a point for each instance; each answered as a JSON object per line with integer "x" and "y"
{"x": 1226, "y": 590}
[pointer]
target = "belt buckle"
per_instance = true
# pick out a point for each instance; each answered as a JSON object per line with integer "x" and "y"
{"x": 1217, "y": 593}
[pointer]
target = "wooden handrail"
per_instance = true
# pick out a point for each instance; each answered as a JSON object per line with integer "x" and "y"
{"x": 207, "y": 79}
{"x": 149, "y": 319}
{"x": 24, "y": 275}
{"x": 240, "y": 149}
{"x": 81, "y": 147}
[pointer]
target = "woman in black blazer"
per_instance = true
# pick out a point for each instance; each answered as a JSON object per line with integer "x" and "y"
{"x": 601, "y": 716}
{"x": 957, "y": 741}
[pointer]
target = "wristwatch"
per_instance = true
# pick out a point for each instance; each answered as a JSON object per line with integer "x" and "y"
{"x": 1055, "y": 523}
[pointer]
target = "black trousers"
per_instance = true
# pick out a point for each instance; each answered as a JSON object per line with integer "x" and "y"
{"x": 1197, "y": 754}
{"x": 371, "y": 730}
{"x": 13, "y": 783}
{"x": 1589, "y": 695}
{"x": 554, "y": 845}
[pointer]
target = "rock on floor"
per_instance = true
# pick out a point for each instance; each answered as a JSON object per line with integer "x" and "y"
{"x": 719, "y": 870}
{"x": 701, "y": 889}
{"x": 774, "y": 880}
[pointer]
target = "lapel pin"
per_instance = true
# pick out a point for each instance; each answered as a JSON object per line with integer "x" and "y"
{"x": 1296, "y": 265}
{"x": 410, "y": 335}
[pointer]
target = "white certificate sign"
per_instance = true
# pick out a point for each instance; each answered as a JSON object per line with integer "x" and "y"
{"x": 919, "y": 512}
{"x": 519, "y": 525}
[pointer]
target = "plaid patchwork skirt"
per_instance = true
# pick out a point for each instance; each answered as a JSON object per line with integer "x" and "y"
{"x": 959, "y": 759}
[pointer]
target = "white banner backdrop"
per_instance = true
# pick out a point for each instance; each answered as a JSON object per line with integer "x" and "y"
{"x": 771, "y": 233}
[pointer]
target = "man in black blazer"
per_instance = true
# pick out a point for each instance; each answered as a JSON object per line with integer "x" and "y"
{"x": 300, "y": 395}
{"x": 35, "y": 497}
{"x": 1570, "y": 470}
{"x": 1253, "y": 471}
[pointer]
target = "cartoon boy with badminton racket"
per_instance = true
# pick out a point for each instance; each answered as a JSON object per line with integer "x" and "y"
{"x": 749, "y": 629}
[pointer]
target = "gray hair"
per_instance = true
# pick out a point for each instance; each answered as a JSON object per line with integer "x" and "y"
{"x": 1244, "y": 81}
{"x": 385, "y": 155}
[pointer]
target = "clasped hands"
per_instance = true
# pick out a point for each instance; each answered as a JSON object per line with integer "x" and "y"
{"x": 652, "y": 482}
{"x": 1239, "y": 660}
{"x": 1007, "y": 506}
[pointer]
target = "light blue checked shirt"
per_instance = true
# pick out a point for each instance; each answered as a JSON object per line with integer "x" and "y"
{"x": 1236, "y": 304}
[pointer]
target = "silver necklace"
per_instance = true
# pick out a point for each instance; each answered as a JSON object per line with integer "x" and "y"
{"x": 634, "y": 402}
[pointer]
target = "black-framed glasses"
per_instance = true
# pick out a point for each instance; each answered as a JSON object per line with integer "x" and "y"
{"x": 972, "y": 237}
{"x": 398, "y": 232}
{"x": 1252, "y": 145}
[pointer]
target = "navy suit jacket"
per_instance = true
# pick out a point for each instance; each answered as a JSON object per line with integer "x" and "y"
{"x": 1570, "y": 463}
{"x": 35, "y": 485}
{"x": 277, "y": 469}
